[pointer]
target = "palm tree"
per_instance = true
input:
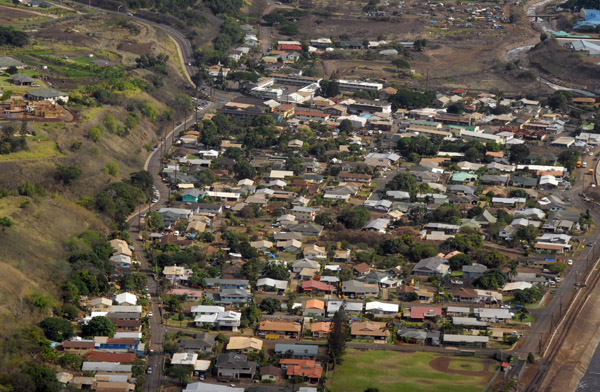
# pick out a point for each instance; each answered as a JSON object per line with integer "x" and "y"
{"x": 513, "y": 269}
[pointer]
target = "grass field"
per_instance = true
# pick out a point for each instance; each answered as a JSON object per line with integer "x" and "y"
{"x": 391, "y": 371}
{"x": 37, "y": 150}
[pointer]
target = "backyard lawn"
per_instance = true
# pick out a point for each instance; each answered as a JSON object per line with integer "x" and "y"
{"x": 392, "y": 371}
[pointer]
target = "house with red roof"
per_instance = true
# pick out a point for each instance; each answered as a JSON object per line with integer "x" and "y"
{"x": 312, "y": 286}
{"x": 421, "y": 312}
{"x": 98, "y": 356}
{"x": 306, "y": 368}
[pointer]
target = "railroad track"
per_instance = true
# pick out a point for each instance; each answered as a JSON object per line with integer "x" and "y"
{"x": 570, "y": 318}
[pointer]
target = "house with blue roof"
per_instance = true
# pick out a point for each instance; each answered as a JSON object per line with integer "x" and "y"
{"x": 591, "y": 18}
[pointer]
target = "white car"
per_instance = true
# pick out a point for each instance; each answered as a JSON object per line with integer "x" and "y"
{"x": 570, "y": 262}
{"x": 149, "y": 314}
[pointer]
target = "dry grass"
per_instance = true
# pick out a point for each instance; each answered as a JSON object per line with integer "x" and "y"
{"x": 31, "y": 252}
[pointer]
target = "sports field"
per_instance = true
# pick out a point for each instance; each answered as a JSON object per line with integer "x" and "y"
{"x": 392, "y": 371}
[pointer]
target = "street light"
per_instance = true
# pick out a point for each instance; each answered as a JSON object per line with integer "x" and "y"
{"x": 118, "y": 8}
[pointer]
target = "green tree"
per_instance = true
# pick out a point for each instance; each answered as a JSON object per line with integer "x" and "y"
{"x": 458, "y": 261}
{"x": 336, "y": 342}
{"x": 99, "y": 326}
{"x": 243, "y": 169}
{"x": 277, "y": 271}
{"x": 112, "y": 168}
{"x": 270, "y": 305}
{"x": 43, "y": 378}
{"x": 154, "y": 220}
{"x": 530, "y": 358}
{"x": 527, "y": 233}
{"x": 68, "y": 174}
{"x": 354, "y": 218}
{"x": 518, "y": 153}
{"x": 569, "y": 159}
{"x": 134, "y": 281}
{"x": 404, "y": 182}
{"x": 57, "y": 329}
{"x": 182, "y": 373}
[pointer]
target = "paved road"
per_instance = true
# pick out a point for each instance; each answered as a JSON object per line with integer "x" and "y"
{"x": 549, "y": 316}
{"x": 157, "y": 329}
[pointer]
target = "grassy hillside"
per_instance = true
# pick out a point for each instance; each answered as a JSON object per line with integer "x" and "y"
{"x": 126, "y": 105}
{"x": 32, "y": 252}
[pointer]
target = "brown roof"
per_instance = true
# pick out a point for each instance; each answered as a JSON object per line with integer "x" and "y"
{"x": 270, "y": 370}
{"x": 127, "y": 323}
{"x": 355, "y": 176}
{"x": 281, "y": 326}
{"x": 464, "y": 293}
{"x": 362, "y": 268}
{"x": 369, "y": 328}
{"x": 78, "y": 344}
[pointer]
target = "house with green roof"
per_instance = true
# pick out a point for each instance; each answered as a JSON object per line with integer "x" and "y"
{"x": 463, "y": 177}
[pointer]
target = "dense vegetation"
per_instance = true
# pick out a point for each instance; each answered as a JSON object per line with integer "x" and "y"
{"x": 12, "y": 37}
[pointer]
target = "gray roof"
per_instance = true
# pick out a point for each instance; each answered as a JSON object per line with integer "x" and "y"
{"x": 377, "y": 224}
{"x": 234, "y": 361}
{"x": 524, "y": 181}
{"x": 105, "y": 367}
{"x": 192, "y": 192}
{"x": 354, "y": 286}
{"x": 226, "y": 282}
{"x": 46, "y": 93}
{"x": 22, "y": 78}
{"x": 6, "y": 62}
{"x": 475, "y": 268}
{"x": 203, "y": 340}
{"x": 304, "y": 350}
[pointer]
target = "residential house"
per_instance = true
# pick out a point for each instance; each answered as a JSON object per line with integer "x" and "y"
{"x": 304, "y": 214}
{"x": 361, "y": 269}
{"x": 78, "y": 347}
{"x": 307, "y": 229}
{"x": 419, "y": 336}
{"x": 465, "y": 340}
{"x": 357, "y": 289}
{"x": 301, "y": 264}
{"x": 268, "y": 284}
{"x": 100, "y": 305}
{"x": 315, "y": 252}
{"x": 244, "y": 344}
{"x": 374, "y": 159}
{"x": 381, "y": 308}
{"x": 305, "y": 369}
{"x": 315, "y": 286}
{"x": 297, "y": 351}
{"x": 435, "y": 265}
{"x": 177, "y": 274}
{"x": 422, "y": 312}
{"x": 231, "y": 365}
{"x": 203, "y": 342}
{"x": 369, "y": 330}
{"x": 314, "y": 307}
{"x": 269, "y": 373}
{"x": 289, "y": 328}
{"x": 465, "y": 295}
{"x": 473, "y": 271}
{"x": 320, "y": 329}
{"x": 352, "y": 308}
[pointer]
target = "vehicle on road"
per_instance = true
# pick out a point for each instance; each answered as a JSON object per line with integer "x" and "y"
{"x": 589, "y": 244}
{"x": 570, "y": 262}
{"x": 149, "y": 370}
{"x": 150, "y": 314}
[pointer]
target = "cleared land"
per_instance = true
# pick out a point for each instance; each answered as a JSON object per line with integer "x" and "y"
{"x": 400, "y": 371}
